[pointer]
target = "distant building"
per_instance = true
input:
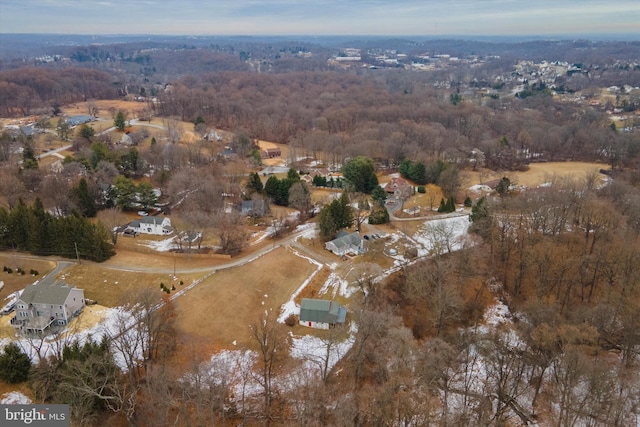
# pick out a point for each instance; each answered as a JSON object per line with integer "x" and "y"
{"x": 321, "y": 314}
{"x": 271, "y": 153}
{"x": 79, "y": 120}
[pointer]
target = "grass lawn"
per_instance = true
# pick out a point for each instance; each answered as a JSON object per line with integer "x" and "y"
{"x": 538, "y": 173}
{"x": 220, "y": 309}
{"x": 110, "y": 288}
{"x": 14, "y": 282}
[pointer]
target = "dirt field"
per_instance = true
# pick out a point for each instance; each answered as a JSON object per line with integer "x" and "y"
{"x": 220, "y": 309}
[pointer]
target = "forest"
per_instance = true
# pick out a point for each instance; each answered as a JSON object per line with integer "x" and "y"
{"x": 561, "y": 262}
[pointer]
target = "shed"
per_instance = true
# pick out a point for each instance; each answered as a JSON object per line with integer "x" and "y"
{"x": 321, "y": 314}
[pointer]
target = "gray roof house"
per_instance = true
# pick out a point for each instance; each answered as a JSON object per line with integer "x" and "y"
{"x": 346, "y": 243}
{"x": 321, "y": 314}
{"x": 43, "y": 305}
{"x": 79, "y": 120}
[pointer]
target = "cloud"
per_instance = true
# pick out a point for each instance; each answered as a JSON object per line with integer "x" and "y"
{"x": 407, "y": 17}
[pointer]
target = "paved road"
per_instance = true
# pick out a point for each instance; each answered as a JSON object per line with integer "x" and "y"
{"x": 56, "y": 151}
{"x": 235, "y": 262}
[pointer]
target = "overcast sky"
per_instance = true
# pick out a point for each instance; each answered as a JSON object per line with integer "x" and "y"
{"x": 321, "y": 17}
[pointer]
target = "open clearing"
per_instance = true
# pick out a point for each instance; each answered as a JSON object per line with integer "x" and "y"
{"x": 111, "y": 288}
{"x": 15, "y": 282}
{"x": 220, "y": 309}
{"x": 538, "y": 173}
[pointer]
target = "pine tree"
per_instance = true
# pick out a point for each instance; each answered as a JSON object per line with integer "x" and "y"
{"x": 85, "y": 200}
{"x": 451, "y": 206}
{"x": 326, "y": 223}
{"x": 255, "y": 184}
{"x": 443, "y": 207}
{"x": 14, "y": 364}
{"x": 347, "y": 210}
{"x": 120, "y": 121}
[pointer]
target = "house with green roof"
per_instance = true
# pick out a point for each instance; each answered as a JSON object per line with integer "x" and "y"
{"x": 41, "y": 306}
{"x": 321, "y": 313}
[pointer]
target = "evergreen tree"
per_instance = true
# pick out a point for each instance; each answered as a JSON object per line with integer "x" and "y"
{"x": 120, "y": 121}
{"x": 255, "y": 184}
{"x": 479, "y": 210}
{"x": 326, "y": 223}
{"x": 293, "y": 175}
{"x": 29, "y": 159}
{"x": 418, "y": 173}
{"x": 84, "y": 199}
{"x": 405, "y": 168}
{"x": 379, "y": 216}
{"x": 503, "y": 186}
{"x": 14, "y": 364}
{"x": 271, "y": 187}
{"x": 346, "y": 211}
{"x": 87, "y": 131}
{"x": 360, "y": 172}
{"x": 145, "y": 195}
{"x": 319, "y": 181}
{"x": 442, "y": 207}
{"x": 130, "y": 161}
{"x": 378, "y": 195}
{"x": 124, "y": 192}
{"x": 451, "y": 206}
{"x": 467, "y": 202}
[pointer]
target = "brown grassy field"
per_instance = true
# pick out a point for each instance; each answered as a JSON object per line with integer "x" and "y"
{"x": 220, "y": 309}
{"x": 14, "y": 282}
{"x": 111, "y": 288}
{"x": 80, "y": 108}
{"x": 538, "y": 173}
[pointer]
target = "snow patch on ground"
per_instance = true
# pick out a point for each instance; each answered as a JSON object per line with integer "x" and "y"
{"x": 14, "y": 398}
{"x": 433, "y": 234}
{"x": 480, "y": 187}
{"x": 309, "y": 229}
{"x": 497, "y": 314}
{"x": 317, "y": 352}
{"x": 337, "y": 285}
{"x": 114, "y": 320}
{"x": 161, "y": 245}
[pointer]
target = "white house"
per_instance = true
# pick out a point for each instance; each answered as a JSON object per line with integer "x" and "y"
{"x": 321, "y": 314}
{"x": 346, "y": 243}
{"x": 159, "y": 226}
{"x": 42, "y": 305}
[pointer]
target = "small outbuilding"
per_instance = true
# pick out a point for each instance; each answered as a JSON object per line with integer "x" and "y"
{"x": 321, "y": 314}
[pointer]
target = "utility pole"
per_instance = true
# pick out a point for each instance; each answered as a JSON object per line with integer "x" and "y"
{"x": 77, "y": 255}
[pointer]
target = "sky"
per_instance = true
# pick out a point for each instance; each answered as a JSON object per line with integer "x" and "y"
{"x": 322, "y": 17}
